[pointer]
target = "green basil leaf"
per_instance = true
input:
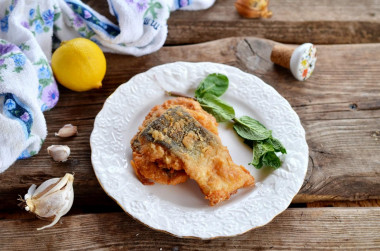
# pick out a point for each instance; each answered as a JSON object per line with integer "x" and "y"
{"x": 217, "y": 107}
{"x": 271, "y": 159}
{"x": 264, "y": 155}
{"x": 250, "y": 143}
{"x": 249, "y": 128}
{"x": 259, "y": 150}
{"x": 260, "y": 164}
{"x": 215, "y": 84}
{"x": 277, "y": 145}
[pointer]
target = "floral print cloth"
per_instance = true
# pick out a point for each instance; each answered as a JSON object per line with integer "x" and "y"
{"x": 27, "y": 88}
{"x": 29, "y": 30}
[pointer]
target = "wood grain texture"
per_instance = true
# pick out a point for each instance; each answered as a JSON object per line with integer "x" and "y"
{"x": 360, "y": 203}
{"x": 300, "y": 229}
{"x": 293, "y": 21}
{"x": 338, "y": 106}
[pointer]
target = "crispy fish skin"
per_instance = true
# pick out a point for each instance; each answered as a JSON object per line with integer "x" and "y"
{"x": 157, "y": 163}
{"x": 204, "y": 157}
{"x": 191, "y": 106}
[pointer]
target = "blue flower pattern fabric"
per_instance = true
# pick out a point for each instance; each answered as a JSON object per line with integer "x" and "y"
{"x": 182, "y": 3}
{"x": 27, "y": 84}
{"x": 15, "y": 109}
{"x": 13, "y": 52}
{"x": 48, "y": 17}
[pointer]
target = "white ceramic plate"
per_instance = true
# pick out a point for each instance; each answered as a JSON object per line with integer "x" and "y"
{"x": 182, "y": 210}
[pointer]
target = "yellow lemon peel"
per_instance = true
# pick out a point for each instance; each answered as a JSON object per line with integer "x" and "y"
{"x": 79, "y": 65}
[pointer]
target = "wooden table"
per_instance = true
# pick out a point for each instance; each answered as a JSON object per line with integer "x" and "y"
{"x": 339, "y": 106}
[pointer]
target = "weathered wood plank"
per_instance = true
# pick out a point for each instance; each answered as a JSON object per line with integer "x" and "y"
{"x": 343, "y": 137}
{"x": 301, "y": 229}
{"x": 293, "y": 21}
{"x": 360, "y": 203}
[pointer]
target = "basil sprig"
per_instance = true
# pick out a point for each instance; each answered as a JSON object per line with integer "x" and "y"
{"x": 218, "y": 108}
{"x": 255, "y": 134}
{"x": 215, "y": 84}
{"x": 251, "y": 129}
{"x": 208, "y": 93}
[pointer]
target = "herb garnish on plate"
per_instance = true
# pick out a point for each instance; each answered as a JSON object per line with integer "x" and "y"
{"x": 255, "y": 134}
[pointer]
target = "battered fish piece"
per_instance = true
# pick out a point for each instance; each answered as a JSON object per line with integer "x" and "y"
{"x": 156, "y": 163}
{"x": 153, "y": 162}
{"x": 202, "y": 155}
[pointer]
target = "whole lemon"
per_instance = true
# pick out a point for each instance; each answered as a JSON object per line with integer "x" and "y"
{"x": 79, "y": 64}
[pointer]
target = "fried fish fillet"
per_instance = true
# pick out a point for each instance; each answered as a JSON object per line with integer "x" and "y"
{"x": 195, "y": 151}
{"x": 154, "y": 162}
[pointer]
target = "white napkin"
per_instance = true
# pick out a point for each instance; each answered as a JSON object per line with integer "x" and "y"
{"x": 27, "y": 85}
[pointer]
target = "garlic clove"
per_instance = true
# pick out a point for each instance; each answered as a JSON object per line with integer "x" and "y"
{"x": 59, "y": 152}
{"x": 67, "y": 131}
{"x": 65, "y": 209}
{"x": 31, "y": 190}
{"x": 44, "y": 187}
{"x": 51, "y": 186}
{"x": 52, "y": 199}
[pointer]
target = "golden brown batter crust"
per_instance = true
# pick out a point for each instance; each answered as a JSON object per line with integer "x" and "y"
{"x": 178, "y": 140}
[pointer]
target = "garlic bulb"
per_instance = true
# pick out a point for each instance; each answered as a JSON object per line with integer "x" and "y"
{"x": 59, "y": 152}
{"x": 52, "y": 199}
{"x": 67, "y": 131}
